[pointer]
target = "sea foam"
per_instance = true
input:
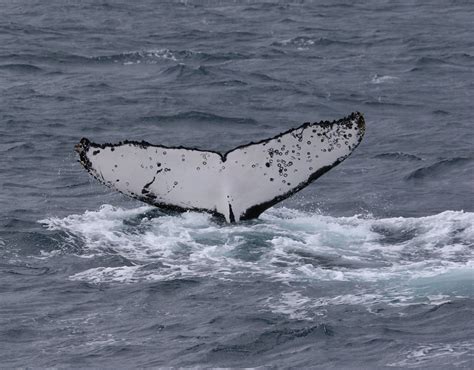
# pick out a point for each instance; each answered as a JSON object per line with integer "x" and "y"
{"x": 284, "y": 245}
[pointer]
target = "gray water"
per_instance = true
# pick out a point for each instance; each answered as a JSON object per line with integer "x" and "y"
{"x": 370, "y": 266}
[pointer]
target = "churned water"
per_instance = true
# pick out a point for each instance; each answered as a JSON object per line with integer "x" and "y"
{"x": 371, "y": 266}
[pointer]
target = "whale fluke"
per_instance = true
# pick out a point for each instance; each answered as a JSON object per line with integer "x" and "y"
{"x": 238, "y": 185}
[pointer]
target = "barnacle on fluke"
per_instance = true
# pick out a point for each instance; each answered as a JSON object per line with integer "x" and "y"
{"x": 237, "y": 185}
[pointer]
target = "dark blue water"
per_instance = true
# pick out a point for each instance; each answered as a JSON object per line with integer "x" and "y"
{"x": 371, "y": 266}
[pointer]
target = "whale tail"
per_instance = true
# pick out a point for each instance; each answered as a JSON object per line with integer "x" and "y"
{"x": 237, "y": 185}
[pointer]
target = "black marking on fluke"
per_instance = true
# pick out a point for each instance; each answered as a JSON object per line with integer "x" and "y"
{"x": 145, "y": 189}
{"x": 231, "y": 214}
{"x": 253, "y": 212}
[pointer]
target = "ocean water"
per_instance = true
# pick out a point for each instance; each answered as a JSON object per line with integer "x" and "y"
{"x": 371, "y": 266}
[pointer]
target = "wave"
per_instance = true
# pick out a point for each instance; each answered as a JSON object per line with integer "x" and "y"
{"x": 263, "y": 77}
{"x": 196, "y": 116}
{"x": 306, "y": 42}
{"x": 150, "y": 56}
{"x": 444, "y": 354}
{"x": 426, "y": 63}
{"x": 47, "y": 57}
{"x": 23, "y": 269}
{"x": 136, "y": 57}
{"x": 461, "y": 59}
{"x": 399, "y": 156}
{"x": 228, "y": 83}
{"x": 15, "y": 28}
{"x": 20, "y": 67}
{"x": 271, "y": 338}
{"x": 97, "y": 86}
{"x": 376, "y": 79}
{"x": 439, "y": 168}
{"x": 218, "y": 57}
{"x": 440, "y": 112}
{"x": 186, "y": 73}
{"x": 154, "y": 56}
{"x": 21, "y": 145}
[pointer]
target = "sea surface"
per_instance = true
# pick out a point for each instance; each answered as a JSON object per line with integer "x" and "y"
{"x": 371, "y": 266}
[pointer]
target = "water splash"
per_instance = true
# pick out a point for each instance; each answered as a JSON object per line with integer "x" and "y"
{"x": 284, "y": 245}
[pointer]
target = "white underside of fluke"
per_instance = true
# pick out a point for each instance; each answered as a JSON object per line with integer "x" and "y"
{"x": 239, "y": 184}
